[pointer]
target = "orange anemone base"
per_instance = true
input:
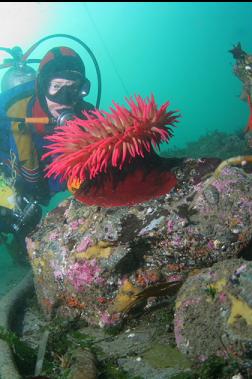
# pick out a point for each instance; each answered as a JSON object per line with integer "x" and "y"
{"x": 137, "y": 187}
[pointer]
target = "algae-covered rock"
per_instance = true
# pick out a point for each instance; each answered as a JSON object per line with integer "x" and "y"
{"x": 214, "y": 311}
{"x": 162, "y": 356}
{"x": 99, "y": 263}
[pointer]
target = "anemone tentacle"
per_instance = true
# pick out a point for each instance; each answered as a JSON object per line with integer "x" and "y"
{"x": 82, "y": 149}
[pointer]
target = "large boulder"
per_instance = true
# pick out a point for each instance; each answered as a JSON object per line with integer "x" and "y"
{"x": 100, "y": 262}
{"x": 214, "y": 312}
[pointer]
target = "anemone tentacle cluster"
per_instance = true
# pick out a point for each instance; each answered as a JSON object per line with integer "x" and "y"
{"x": 109, "y": 143}
{"x": 86, "y": 148}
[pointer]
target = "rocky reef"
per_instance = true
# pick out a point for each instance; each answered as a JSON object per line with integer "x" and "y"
{"x": 100, "y": 263}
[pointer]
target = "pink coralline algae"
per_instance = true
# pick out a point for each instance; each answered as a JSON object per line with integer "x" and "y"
{"x": 177, "y": 241}
{"x": 58, "y": 271}
{"x": 223, "y": 185}
{"x": 84, "y": 244}
{"x": 170, "y": 226}
{"x": 74, "y": 225}
{"x": 81, "y": 274}
{"x": 107, "y": 320}
{"x": 210, "y": 245}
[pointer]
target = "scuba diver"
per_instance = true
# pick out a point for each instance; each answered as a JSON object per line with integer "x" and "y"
{"x": 31, "y": 106}
{"x": 243, "y": 70}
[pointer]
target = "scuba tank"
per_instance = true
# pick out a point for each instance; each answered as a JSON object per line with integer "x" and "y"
{"x": 18, "y": 73}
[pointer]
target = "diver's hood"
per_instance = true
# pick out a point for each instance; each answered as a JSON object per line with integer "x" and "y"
{"x": 59, "y": 62}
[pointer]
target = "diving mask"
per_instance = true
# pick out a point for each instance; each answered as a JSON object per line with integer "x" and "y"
{"x": 67, "y": 88}
{"x": 64, "y": 91}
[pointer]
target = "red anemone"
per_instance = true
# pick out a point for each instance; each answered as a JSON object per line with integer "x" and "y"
{"x": 104, "y": 147}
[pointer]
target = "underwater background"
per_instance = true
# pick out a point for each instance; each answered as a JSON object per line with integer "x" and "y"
{"x": 177, "y": 51}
